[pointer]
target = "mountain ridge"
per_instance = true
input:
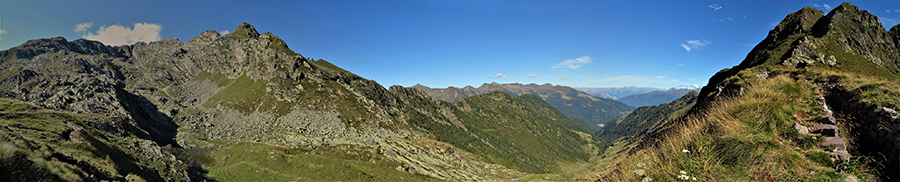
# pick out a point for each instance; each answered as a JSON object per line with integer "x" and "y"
{"x": 213, "y": 107}
{"x": 655, "y": 97}
{"x": 589, "y": 110}
{"x": 766, "y": 114}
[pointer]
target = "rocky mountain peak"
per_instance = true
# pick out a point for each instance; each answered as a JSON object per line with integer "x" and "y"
{"x": 245, "y": 30}
{"x": 36, "y": 47}
{"x": 807, "y": 37}
{"x": 858, "y": 31}
{"x": 206, "y": 37}
{"x": 797, "y": 22}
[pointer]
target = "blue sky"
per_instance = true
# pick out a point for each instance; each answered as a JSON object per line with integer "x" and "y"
{"x": 454, "y": 43}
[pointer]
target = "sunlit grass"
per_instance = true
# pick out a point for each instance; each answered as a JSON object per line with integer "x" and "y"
{"x": 745, "y": 138}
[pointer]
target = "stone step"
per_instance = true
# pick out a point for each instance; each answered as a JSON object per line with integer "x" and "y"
{"x": 826, "y": 130}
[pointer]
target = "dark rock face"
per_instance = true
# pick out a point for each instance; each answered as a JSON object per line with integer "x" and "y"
{"x": 876, "y": 132}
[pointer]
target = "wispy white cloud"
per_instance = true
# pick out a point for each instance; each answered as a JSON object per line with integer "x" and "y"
{"x": 695, "y": 86}
{"x": 490, "y": 76}
{"x": 719, "y": 19}
{"x": 825, "y": 6}
{"x": 573, "y": 64}
{"x": 412, "y": 77}
{"x": 83, "y": 27}
{"x": 223, "y": 32}
{"x": 889, "y": 22}
{"x": 500, "y": 76}
{"x": 564, "y": 78}
{"x": 531, "y": 75}
{"x": 675, "y": 80}
{"x": 120, "y": 35}
{"x": 715, "y": 6}
{"x": 679, "y": 64}
{"x": 1, "y": 33}
{"x": 632, "y": 78}
{"x": 695, "y": 44}
{"x": 686, "y": 47}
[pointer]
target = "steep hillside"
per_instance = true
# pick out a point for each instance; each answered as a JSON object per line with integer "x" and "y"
{"x": 814, "y": 101}
{"x": 639, "y": 121}
{"x": 523, "y": 132}
{"x": 655, "y": 97}
{"x": 243, "y": 106}
{"x": 587, "y": 110}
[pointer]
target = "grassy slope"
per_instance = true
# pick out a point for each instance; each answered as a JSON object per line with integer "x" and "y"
{"x": 34, "y": 143}
{"x": 528, "y": 133}
{"x": 247, "y": 161}
{"x": 523, "y": 133}
{"x": 750, "y": 137}
{"x": 643, "y": 118}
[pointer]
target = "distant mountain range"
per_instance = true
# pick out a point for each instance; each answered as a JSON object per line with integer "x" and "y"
{"x": 587, "y": 110}
{"x": 616, "y": 92}
{"x": 655, "y": 97}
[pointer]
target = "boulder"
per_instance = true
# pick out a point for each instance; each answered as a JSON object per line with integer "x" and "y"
{"x": 638, "y": 172}
{"x": 801, "y": 129}
{"x": 831, "y": 61}
{"x": 835, "y": 142}
{"x": 828, "y": 120}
